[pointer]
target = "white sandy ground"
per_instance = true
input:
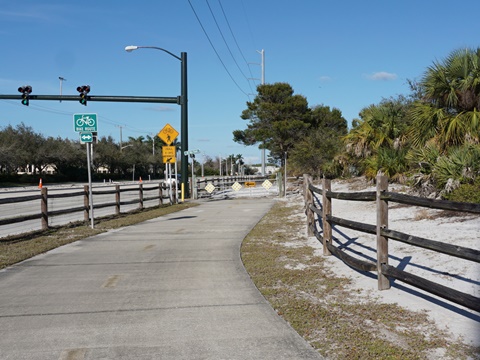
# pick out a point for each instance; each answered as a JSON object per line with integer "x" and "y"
{"x": 463, "y": 324}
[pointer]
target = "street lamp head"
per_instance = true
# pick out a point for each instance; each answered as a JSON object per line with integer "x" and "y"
{"x": 130, "y": 48}
{"x": 123, "y": 147}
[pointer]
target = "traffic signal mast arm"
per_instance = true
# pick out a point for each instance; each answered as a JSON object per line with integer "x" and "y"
{"x": 104, "y": 98}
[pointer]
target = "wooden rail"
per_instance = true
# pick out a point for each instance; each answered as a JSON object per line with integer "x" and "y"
{"x": 320, "y": 212}
{"x": 83, "y": 205}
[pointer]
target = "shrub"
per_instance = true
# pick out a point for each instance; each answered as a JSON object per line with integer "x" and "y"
{"x": 466, "y": 193}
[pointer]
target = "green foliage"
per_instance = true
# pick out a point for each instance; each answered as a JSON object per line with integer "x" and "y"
{"x": 382, "y": 125}
{"x": 22, "y": 149}
{"x": 460, "y": 163}
{"x": 466, "y": 193}
{"x": 392, "y": 163}
{"x": 449, "y": 108}
{"x": 277, "y": 118}
{"x": 424, "y": 158}
{"x": 434, "y": 132}
{"x": 314, "y": 154}
{"x": 378, "y": 142}
{"x": 282, "y": 123}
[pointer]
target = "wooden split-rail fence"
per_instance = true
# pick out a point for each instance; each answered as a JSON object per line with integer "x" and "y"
{"x": 320, "y": 221}
{"x": 77, "y": 202}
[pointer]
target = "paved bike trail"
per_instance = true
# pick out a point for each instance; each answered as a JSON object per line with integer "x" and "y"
{"x": 169, "y": 288}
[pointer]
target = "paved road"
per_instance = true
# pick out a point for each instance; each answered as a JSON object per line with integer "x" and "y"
{"x": 169, "y": 288}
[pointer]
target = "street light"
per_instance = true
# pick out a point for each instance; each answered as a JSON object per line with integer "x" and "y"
{"x": 123, "y": 147}
{"x": 184, "y": 109}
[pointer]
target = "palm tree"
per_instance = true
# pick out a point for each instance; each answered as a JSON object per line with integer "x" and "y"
{"x": 378, "y": 142}
{"x": 381, "y": 126}
{"x": 449, "y": 110}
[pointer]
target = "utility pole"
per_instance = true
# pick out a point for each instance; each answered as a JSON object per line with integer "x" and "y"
{"x": 120, "y": 127}
{"x": 262, "y": 53}
{"x": 220, "y": 164}
{"x": 153, "y": 145}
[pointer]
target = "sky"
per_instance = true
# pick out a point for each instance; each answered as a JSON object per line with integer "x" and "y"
{"x": 345, "y": 54}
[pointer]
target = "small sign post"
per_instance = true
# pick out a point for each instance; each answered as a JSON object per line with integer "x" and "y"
{"x": 86, "y": 125}
{"x": 85, "y": 122}
{"x": 86, "y": 137}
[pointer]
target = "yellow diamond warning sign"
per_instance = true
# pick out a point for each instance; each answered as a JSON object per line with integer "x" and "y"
{"x": 168, "y": 134}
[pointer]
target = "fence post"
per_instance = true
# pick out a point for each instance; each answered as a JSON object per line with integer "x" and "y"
{"x": 160, "y": 194}
{"x": 326, "y": 211}
{"x": 382, "y": 241}
{"x": 280, "y": 183}
{"x": 308, "y": 196}
{"x": 44, "y": 208}
{"x": 117, "y": 199}
{"x": 140, "y": 196}
{"x": 86, "y": 204}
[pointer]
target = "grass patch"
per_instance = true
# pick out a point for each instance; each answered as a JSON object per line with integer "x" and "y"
{"x": 319, "y": 305}
{"x": 19, "y": 248}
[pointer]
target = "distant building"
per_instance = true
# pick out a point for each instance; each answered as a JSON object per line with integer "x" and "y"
{"x": 30, "y": 170}
{"x": 269, "y": 169}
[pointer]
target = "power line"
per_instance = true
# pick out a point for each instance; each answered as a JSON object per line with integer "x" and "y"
{"x": 235, "y": 39}
{"x": 248, "y": 24}
{"x": 226, "y": 44}
{"x": 215, "y": 50}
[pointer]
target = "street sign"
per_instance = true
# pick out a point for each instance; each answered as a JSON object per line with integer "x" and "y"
{"x": 169, "y": 154}
{"x": 86, "y": 137}
{"x": 85, "y": 122}
{"x": 168, "y": 134}
{"x": 236, "y": 186}
{"x": 267, "y": 184}
{"x": 210, "y": 187}
{"x": 250, "y": 183}
{"x": 169, "y": 160}
{"x": 168, "y": 151}
{"x": 191, "y": 152}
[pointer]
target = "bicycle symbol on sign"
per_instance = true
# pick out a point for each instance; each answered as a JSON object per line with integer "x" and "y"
{"x": 85, "y": 120}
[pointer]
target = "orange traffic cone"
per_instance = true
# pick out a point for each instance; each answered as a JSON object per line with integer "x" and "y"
{"x": 141, "y": 180}
{"x": 40, "y": 184}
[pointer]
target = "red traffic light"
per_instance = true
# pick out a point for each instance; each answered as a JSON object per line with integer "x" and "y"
{"x": 84, "y": 89}
{"x": 27, "y": 89}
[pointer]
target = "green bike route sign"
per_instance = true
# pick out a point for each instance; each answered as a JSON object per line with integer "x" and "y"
{"x": 85, "y": 122}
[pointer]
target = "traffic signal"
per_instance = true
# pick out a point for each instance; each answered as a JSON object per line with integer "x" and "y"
{"x": 83, "y": 90}
{"x": 26, "y": 91}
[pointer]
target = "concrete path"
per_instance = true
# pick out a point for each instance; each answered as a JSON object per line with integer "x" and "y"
{"x": 169, "y": 288}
